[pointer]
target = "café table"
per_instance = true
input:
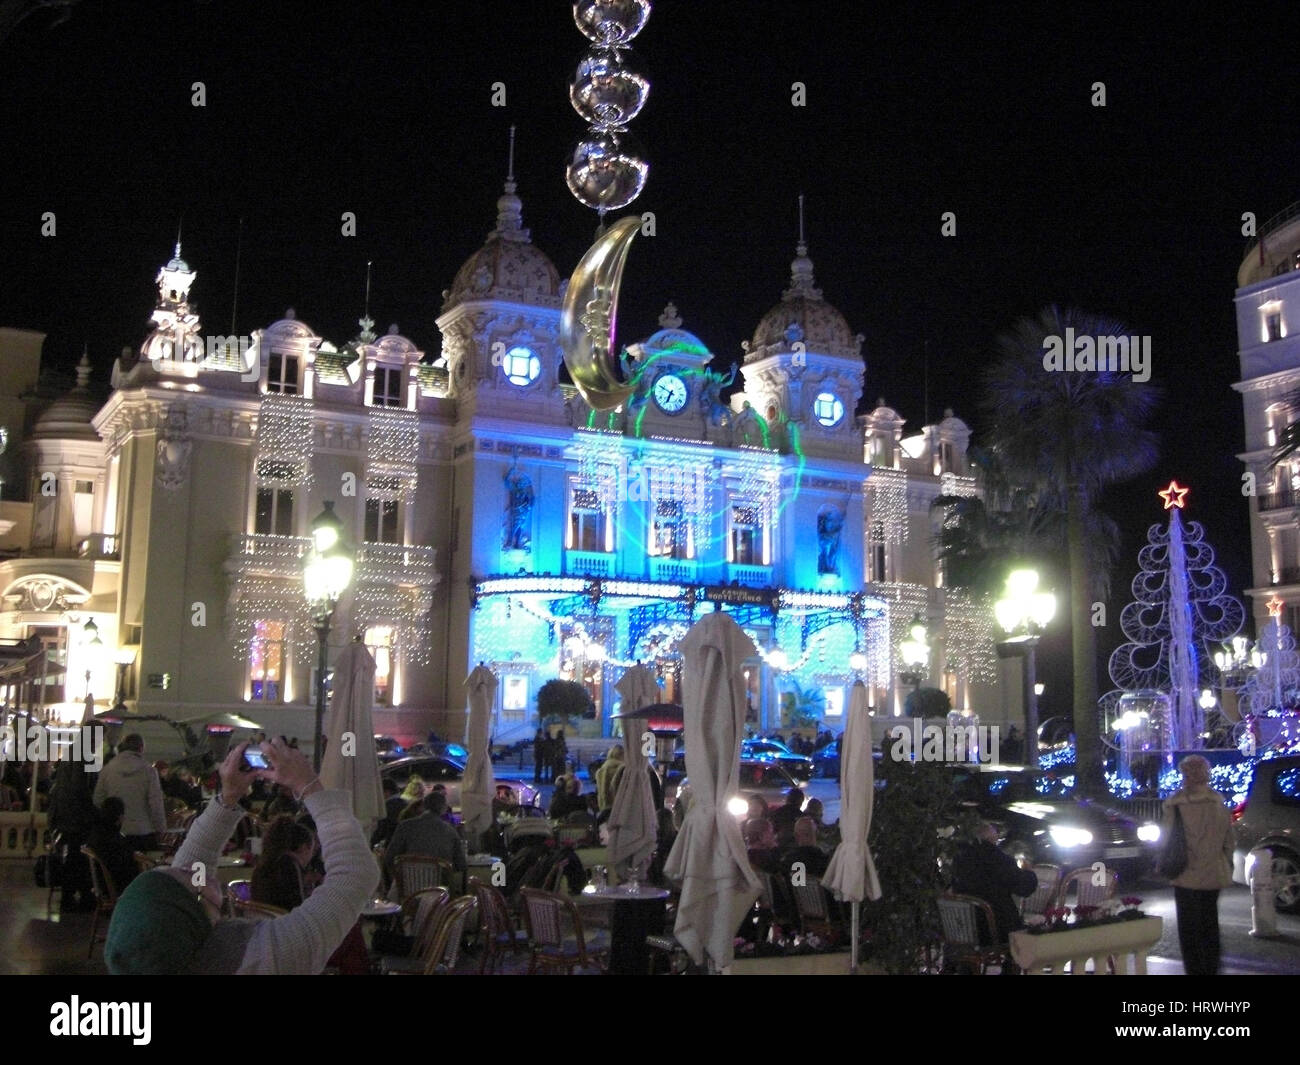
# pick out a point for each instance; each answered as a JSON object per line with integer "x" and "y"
{"x": 637, "y": 914}
{"x": 481, "y": 866}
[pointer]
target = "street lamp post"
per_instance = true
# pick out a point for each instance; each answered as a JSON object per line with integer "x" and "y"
{"x": 915, "y": 652}
{"x": 326, "y": 576}
{"x": 93, "y": 647}
{"x": 1023, "y": 612}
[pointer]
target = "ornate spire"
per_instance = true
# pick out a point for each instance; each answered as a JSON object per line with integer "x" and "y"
{"x": 83, "y": 370}
{"x": 510, "y": 219}
{"x": 801, "y": 269}
{"x": 367, "y": 334}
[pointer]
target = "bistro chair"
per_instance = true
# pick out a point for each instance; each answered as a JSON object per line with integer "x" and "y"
{"x": 812, "y": 909}
{"x": 415, "y": 872}
{"x": 419, "y": 918}
{"x": 101, "y": 883}
{"x": 1086, "y": 892}
{"x": 967, "y": 923}
{"x": 499, "y": 933}
{"x": 1049, "y": 881}
{"x": 444, "y": 944}
{"x": 545, "y": 916}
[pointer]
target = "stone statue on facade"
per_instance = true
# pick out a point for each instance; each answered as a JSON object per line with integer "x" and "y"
{"x": 519, "y": 510}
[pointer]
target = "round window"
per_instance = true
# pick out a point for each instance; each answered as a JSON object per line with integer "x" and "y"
{"x": 521, "y": 366}
{"x": 828, "y": 409}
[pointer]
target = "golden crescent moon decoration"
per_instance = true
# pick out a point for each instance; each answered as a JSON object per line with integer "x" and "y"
{"x": 587, "y": 318}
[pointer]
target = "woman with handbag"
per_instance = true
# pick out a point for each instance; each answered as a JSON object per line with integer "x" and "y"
{"x": 1197, "y": 858}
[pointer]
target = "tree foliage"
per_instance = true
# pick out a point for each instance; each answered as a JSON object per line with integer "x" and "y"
{"x": 562, "y": 701}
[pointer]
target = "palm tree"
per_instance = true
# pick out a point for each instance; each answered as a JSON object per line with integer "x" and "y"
{"x": 1068, "y": 435}
{"x": 1288, "y": 441}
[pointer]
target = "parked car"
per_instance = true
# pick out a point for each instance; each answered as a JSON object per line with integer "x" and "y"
{"x": 769, "y": 780}
{"x": 1039, "y": 822}
{"x": 1270, "y": 817}
{"x": 388, "y": 749}
{"x": 449, "y": 772}
{"x": 826, "y": 760}
{"x": 798, "y": 765}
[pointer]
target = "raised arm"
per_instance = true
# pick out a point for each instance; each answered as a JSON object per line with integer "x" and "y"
{"x": 215, "y": 825}
{"x": 302, "y": 941}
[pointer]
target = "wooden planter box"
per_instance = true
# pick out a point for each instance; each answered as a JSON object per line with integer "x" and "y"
{"x": 1121, "y": 940}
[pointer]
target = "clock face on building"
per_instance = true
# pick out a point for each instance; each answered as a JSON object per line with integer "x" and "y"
{"x": 670, "y": 393}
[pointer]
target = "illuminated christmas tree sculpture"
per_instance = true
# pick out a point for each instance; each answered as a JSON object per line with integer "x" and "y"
{"x": 1180, "y": 606}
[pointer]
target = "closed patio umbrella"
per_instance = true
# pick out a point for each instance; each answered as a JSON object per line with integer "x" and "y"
{"x": 708, "y": 859}
{"x": 350, "y": 761}
{"x": 851, "y": 873}
{"x": 633, "y": 830}
{"x": 476, "y": 788}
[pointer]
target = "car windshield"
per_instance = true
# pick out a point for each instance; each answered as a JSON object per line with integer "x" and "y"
{"x": 1009, "y": 786}
{"x": 762, "y": 776}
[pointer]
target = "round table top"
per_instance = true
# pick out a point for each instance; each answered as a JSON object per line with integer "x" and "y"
{"x": 230, "y": 862}
{"x": 380, "y": 908}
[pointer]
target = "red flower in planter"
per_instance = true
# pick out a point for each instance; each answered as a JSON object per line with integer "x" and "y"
{"x": 1131, "y": 900}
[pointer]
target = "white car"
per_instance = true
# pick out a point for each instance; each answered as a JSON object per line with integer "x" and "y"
{"x": 769, "y": 780}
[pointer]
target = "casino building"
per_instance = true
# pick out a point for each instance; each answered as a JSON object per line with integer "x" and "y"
{"x": 495, "y": 518}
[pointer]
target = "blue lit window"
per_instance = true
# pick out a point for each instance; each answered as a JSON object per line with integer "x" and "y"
{"x": 521, "y": 366}
{"x": 828, "y": 409}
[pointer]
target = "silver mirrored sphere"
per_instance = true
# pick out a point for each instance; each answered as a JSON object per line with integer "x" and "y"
{"x": 605, "y": 173}
{"x": 611, "y": 22}
{"x": 605, "y": 92}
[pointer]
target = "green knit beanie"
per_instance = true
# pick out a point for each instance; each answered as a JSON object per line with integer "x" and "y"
{"x": 157, "y": 928}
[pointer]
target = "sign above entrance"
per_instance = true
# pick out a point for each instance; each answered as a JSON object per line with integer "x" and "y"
{"x": 739, "y": 596}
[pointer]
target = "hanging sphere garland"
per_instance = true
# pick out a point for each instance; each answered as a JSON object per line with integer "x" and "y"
{"x": 607, "y": 171}
{"x": 611, "y": 22}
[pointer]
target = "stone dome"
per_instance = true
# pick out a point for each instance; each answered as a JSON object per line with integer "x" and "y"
{"x": 804, "y": 315}
{"x": 508, "y": 266}
{"x": 69, "y": 417}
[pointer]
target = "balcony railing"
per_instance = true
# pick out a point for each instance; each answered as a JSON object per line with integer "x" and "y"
{"x": 1279, "y": 500}
{"x": 588, "y": 563}
{"x": 672, "y": 570}
{"x": 398, "y": 564}
{"x": 98, "y": 545}
{"x": 279, "y": 556}
{"x": 749, "y": 576}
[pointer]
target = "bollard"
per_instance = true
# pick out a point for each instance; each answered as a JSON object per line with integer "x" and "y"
{"x": 1259, "y": 874}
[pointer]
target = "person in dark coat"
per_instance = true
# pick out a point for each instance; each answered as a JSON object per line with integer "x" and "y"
{"x": 984, "y": 871}
{"x": 784, "y": 817}
{"x": 73, "y": 815}
{"x": 107, "y": 841}
{"x": 559, "y": 753}
{"x": 805, "y": 851}
{"x": 394, "y": 805}
{"x": 541, "y": 757}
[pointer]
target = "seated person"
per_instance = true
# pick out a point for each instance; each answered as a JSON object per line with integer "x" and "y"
{"x": 287, "y": 850}
{"x": 426, "y": 834}
{"x": 982, "y": 870}
{"x": 105, "y": 839}
{"x": 504, "y": 802}
{"x": 164, "y": 925}
{"x": 283, "y": 877}
{"x": 805, "y": 850}
{"x": 567, "y": 798}
{"x": 394, "y": 805}
{"x": 784, "y": 817}
{"x": 760, "y": 843}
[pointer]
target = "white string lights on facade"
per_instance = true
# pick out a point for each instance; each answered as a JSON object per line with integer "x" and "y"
{"x": 887, "y": 512}
{"x": 968, "y": 634}
{"x": 951, "y": 484}
{"x": 394, "y": 587}
{"x": 285, "y": 440}
{"x": 597, "y": 462}
{"x": 391, "y": 454}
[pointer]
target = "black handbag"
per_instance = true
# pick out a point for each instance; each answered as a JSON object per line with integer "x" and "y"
{"x": 1173, "y": 855}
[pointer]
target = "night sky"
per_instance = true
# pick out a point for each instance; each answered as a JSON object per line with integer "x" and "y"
{"x": 1133, "y": 209}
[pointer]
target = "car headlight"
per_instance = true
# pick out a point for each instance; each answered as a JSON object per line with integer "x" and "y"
{"x": 1063, "y": 836}
{"x": 1149, "y": 833}
{"x": 737, "y": 806}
